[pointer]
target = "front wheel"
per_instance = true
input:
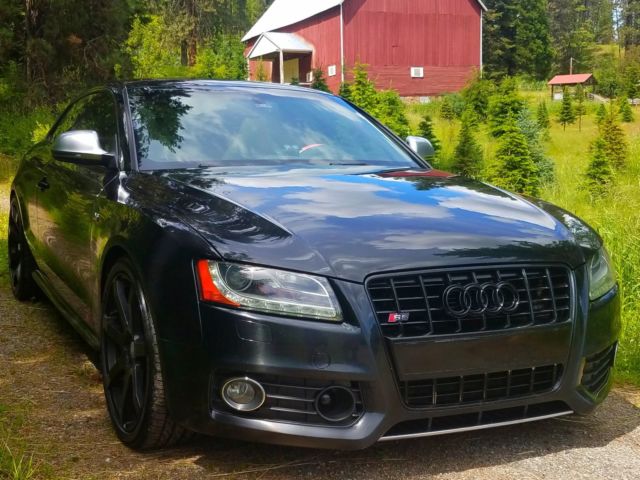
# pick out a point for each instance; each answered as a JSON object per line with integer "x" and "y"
{"x": 21, "y": 262}
{"x": 130, "y": 364}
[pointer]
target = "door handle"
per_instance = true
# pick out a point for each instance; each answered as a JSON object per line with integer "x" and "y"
{"x": 43, "y": 185}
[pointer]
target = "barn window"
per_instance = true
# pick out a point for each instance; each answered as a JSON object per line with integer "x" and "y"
{"x": 417, "y": 72}
{"x": 332, "y": 70}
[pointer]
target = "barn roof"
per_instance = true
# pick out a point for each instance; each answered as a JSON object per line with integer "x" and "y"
{"x": 283, "y": 13}
{"x": 571, "y": 79}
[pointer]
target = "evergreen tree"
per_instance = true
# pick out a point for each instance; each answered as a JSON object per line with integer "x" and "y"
{"x": 599, "y": 176}
{"x": 477, "y": 95}
{"x": 580, "y": 109}
{"x": 567, "y": 115}
{"x": 572, "y": 33}
{"x": 319, "y": 82}
{"x": 446, "y": 110}
{"x": 626, "y": 113}
{"x": 468, "y": 155}
{"x": 616, "y": 146}
{"x": 504, "y": 105}
{"x": 534, "y": 135}
{"x": 542, "y": 116}
{"x": 425, "y": 130}
{"x": 601, "y": 114}
{"x": 517, "y": 39}
{"x": 516, "y": 169}
{"x": 362, "y": 91}
{"x": 345, "y": 91}
{"x": 390, "y": 110}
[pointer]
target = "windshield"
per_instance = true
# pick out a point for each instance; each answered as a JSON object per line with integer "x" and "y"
{"x": 179, "y": 127}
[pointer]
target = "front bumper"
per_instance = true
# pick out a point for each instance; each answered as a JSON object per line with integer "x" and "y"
{"x": 356, "y": 353}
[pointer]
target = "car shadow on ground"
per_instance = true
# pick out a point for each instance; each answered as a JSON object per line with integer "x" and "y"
{"x": 214, "y": 457}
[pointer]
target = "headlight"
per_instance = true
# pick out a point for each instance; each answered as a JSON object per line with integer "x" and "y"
{"x": 268, "y": 290}
{"x": 602, "y": 275}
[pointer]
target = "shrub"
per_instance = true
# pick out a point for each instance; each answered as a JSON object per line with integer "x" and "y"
{"x": 468, "y": 155}
{"x": 599, "y": 176}
{"x": 601, "y": 114}
{"x": 345, "y": 91}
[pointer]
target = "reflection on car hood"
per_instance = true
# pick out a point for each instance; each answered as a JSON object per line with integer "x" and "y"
{"x": 350, "y": 223}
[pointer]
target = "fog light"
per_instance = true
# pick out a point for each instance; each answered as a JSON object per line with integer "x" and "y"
{"x": 243, "y": 394}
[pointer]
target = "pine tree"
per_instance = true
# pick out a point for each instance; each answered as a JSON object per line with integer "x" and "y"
{"x": 580, "y": 109}
{"x": 477, "y": 94}
{"x": 468, "y": 155}
{"x": 542, "y": 116}
{"x": 345, "y": 91}
{"x": 599, "y": 176}
{"x": 567, "y": 115}
{"x": 446, "y": 110}
{"x": 572, "y": 33}
{"x": 534, "y": 135}
{"x": 601, "y": 114}
{"x": 517, "y": 38}
{"x": 616, "y": 146}
{"x": 506, "y": 104}
{"x": 319, "y": 82}
{"x": 362, "y": 91}
{"x": 425, "y": 130}
{"x": 516, "y": 169}
{"x": 625, "y": 111}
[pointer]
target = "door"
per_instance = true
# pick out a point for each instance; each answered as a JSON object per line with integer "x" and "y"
{"x": 291, "y": 70}
{"x": 66, "y": 207}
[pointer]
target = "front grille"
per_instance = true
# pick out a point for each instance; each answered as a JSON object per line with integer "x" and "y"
{"x": 544, "y": 295}
{"x": 290, "y": 400}
{"x": 597, "y": 369}
{"x": 480, "y": 388}
{"x": 476, "y": 420}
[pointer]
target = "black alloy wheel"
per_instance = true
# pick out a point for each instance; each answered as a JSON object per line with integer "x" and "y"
{"x": 21, "y": 263}
{"x": 130, "y": 365}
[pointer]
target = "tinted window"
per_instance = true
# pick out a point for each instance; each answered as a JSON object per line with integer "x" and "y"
{"x": 185, "y": 128}
{"x": 95, "y": 112}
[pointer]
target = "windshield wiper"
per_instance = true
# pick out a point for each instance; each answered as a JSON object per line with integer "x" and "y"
{"x": 349, "y": 165}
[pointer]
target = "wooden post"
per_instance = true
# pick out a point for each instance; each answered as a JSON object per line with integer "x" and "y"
{"x": 281, "y": 67}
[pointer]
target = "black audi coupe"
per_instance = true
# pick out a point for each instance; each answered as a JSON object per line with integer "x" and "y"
{"x": 270, "y": 263}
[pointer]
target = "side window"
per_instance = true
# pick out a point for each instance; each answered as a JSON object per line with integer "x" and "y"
{"x": 95, "y": 112}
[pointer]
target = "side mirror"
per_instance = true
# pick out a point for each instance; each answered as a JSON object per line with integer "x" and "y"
{"x": 82, "y": 147}
{"x": 421, "y": 146}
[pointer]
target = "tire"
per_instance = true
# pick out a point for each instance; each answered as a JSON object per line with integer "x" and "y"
{"x": 21, "y": 262}
{"x": 130, "y": 364}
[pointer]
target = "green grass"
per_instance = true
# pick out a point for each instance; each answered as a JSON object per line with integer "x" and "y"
{"x": 616, "y": 217}
{"x": 15, "y": 462}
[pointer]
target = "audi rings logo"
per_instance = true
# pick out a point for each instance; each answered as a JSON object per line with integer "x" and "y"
{"x": 478, "y": 299}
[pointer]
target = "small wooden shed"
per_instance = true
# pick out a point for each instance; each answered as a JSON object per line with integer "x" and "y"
{"x": 563, "y": 81}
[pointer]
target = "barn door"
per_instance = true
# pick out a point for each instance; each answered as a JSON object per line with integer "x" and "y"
{"x": 291, "y": 70}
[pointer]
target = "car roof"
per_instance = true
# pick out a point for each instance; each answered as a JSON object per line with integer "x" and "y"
{"x": 211, "y": 85}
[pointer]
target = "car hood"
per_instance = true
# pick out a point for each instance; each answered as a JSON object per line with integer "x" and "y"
{"x": 351, "y": 222}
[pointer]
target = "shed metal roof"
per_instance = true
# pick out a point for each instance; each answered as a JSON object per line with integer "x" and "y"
{"x": 571, "y": 79}
{"x": 283, "y": 13}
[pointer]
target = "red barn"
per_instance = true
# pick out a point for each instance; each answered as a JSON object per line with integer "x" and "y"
{"x": 417, "y": 47}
